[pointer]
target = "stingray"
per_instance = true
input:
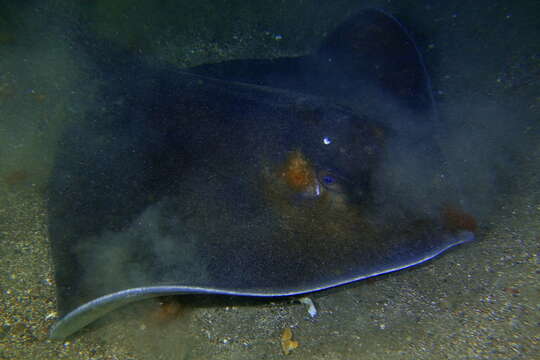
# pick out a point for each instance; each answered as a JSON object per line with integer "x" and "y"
{"x": 261, "y": 178}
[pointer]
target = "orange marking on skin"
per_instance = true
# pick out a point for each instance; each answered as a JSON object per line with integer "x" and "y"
{"x": 298, "y": 172}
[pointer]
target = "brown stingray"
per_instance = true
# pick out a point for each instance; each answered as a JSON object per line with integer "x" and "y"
{"x": 251, "y": 177}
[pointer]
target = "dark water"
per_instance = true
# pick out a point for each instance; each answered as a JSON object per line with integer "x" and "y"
{"x": 478, "y": 301}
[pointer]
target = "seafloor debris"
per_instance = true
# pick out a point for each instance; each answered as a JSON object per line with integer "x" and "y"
{"x": 287, "y": 342}
{"x": 312, "y": 310}
{"x": 170, "y": 308}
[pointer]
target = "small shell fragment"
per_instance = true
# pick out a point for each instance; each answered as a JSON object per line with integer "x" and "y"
{"x": 312, "y": 310}
{"x": 51, "y": 315}
{"x": 287, "y": 343}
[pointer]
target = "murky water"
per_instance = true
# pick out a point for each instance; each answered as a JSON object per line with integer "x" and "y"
{"x": 479, "y": 301}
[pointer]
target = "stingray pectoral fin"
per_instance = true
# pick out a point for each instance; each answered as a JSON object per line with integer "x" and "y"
{"x": 370, "y": 48}
{"x": 374, "y": 46}
{"x": 95, "y": 309}
{"x": 89, "y": 312}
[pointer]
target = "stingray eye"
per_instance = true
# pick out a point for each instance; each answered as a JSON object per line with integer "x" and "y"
{"x": 330, "y": 180}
